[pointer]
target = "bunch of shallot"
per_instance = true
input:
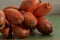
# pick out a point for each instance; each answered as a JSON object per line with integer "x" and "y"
{"x": 21, "y": 21}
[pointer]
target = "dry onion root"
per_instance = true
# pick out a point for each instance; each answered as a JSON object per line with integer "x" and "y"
{"x": 42, "y": 10}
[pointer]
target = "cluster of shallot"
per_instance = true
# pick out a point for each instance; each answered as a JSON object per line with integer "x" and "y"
{"x": 28, "y": 17}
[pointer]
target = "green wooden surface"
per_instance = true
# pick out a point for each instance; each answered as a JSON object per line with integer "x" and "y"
{"x": 55, "y": 20}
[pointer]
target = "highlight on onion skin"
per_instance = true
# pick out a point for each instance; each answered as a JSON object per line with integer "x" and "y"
{"x": 2, "y": 19}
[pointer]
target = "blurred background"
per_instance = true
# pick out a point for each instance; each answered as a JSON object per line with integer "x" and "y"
{"x": 55, "y": 4}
